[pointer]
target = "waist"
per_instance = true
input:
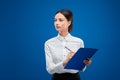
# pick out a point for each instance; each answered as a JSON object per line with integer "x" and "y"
{"x": 66, "y": 74}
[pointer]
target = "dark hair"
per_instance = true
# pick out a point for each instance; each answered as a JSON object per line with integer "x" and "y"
{"x": 68, "y": 15}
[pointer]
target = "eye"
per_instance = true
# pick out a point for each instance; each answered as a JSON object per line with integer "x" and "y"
{"x": 61, "y": 20}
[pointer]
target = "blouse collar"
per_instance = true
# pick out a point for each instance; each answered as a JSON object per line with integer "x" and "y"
{"x": 66, "y": 38}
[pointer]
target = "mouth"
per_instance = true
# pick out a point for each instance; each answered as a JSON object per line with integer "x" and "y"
{"x": 57, "y": 27}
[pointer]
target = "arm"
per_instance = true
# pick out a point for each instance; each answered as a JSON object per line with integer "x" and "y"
{"x": 50, "y": 65}
{"x": 87, "y": 62}
{"x": 82, "y": 46}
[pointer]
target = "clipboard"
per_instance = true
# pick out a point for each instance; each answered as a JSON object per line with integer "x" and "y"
{"x": 77, "y": 61}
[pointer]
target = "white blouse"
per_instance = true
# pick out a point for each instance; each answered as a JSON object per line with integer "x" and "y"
{"x": 56, "y": 53}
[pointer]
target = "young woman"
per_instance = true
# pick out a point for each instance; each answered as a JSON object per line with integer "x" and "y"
{"x": 60, "y": 49}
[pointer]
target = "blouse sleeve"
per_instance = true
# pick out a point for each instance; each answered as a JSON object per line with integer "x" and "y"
{"x": 51, "y": 67}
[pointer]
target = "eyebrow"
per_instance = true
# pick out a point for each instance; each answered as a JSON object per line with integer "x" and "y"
{"x": 58, "y": 18}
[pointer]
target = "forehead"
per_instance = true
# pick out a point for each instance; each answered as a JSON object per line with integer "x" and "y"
{"x": 59, "y": 15}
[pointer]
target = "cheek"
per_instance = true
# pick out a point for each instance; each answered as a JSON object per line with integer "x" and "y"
{"x": 64, "y": 25}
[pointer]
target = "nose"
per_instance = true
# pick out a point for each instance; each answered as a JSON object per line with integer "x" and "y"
{"x": 56, "y": 23}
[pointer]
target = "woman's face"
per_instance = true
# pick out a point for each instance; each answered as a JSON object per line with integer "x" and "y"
{"x": 61, "y": 23}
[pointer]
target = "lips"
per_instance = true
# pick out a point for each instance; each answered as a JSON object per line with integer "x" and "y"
{"x": 57, "y": 27}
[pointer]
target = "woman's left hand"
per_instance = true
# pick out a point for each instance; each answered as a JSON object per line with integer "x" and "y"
{"x": 88, "y": 61}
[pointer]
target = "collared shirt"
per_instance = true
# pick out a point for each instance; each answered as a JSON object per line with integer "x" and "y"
{"x": 56, "y": 52}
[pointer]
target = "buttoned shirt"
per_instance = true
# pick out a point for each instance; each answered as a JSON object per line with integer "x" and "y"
{"x": 56, "y": 52}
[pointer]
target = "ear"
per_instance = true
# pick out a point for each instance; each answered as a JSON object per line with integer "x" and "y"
{"x": 69, "y": 22}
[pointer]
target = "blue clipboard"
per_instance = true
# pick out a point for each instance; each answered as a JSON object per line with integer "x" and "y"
{"x": 77, "y": 61}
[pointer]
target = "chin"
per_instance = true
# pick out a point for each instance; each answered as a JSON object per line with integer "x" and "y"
{"x": 58, "y": 30}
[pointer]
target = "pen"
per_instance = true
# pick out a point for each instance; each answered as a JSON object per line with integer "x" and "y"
{"x": 68, "y": 49}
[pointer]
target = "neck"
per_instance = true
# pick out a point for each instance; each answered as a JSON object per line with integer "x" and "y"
{"x": 64, "y": 33}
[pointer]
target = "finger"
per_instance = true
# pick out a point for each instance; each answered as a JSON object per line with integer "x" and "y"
{"x": 89, "y": 59}
{"x": 87, "y": 62}
{"x": 72, "y": 52}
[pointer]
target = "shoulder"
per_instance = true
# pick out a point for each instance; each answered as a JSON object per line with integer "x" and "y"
{"x": 76, "y": 39}
{"x": 51, "y": 40}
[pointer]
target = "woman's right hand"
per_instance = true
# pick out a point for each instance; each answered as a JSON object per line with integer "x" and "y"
{"x": 68, "y": 58}
{"x": 70, "y": 55}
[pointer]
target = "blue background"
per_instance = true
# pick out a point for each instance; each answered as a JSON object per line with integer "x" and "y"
{"x": 26, "y": 24}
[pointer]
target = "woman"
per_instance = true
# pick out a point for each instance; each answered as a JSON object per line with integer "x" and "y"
{"x": 60, "y": 49}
